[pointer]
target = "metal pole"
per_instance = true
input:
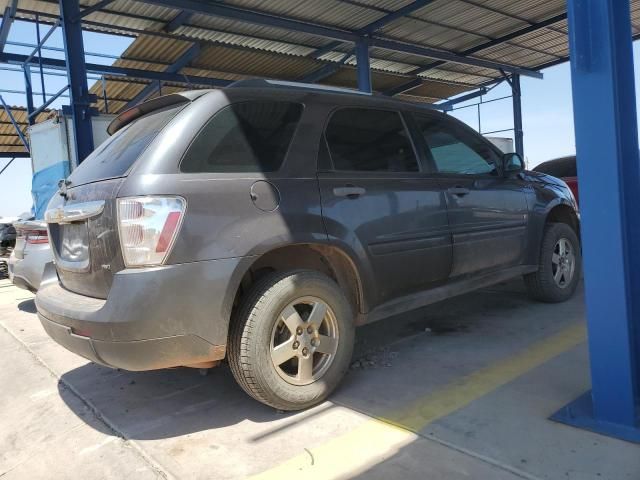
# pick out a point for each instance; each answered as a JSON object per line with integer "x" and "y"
{"x": 77, "y": 75}
{"x": 104, "y": 95}
{"x": 44, "y": 92}
{"x": 53, "y": 98}
{"x": 15, "y": 124}
{"x": 7, "y": 165}
{"x": 363, "y": 65}
{"x": 517, "y": 114}
{"x": 609, "y": 170}
{"x": 29, "y": 92}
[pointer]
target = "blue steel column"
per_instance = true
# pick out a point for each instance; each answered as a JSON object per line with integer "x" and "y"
{"x": 517, "y": 114}
{"x": 29, "y": 93}
{"x": 77, "y": 75}
{"x": 609, "y": 172}
{"x": 363, "y": 65}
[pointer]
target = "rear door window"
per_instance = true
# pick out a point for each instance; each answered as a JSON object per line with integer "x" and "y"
{"x": 244, "y": 137}
{"x": 115, "y": 156}
{"x": 362, "y": 139}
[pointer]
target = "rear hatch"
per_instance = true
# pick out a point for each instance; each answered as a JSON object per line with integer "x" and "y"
{"x": 85, "y": 240}
{"x": 82, "y": 220}
{"x": 29, "y": 232}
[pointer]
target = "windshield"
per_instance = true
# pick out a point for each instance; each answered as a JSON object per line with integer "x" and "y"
{"x": 116, "y": 155}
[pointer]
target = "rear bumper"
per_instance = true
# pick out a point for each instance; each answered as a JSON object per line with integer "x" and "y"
{"x": 136, "y": 355}
{"x": 153, "y": 318}
{"x": 27, "y": 272}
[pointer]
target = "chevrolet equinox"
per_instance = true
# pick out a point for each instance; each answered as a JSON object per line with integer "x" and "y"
{"x": 263, "y": 222}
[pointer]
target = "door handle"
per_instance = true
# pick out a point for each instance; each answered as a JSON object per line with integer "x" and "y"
{"x": 349, "y": 191}
{"x": 459, "y": 191}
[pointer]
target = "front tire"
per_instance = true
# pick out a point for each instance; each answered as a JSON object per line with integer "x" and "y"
{"x": 560, "y": 265}
{"x": 291, "y": 340}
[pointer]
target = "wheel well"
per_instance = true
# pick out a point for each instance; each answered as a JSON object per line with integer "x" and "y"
{"x": 564, "y": 214}
{"x": 322, "y": 258}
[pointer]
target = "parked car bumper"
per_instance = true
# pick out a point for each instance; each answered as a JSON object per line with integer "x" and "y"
{"x": 26, "y": 272}
{"x": 153, "y": 318}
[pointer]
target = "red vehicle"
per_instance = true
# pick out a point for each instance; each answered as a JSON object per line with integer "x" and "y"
{"x": 563, "y": 168}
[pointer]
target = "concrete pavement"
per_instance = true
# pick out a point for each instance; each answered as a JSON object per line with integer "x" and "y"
{"x": 461, "y": 389}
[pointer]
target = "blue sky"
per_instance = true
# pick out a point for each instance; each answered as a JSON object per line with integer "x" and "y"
{"x": 546, "y": 105}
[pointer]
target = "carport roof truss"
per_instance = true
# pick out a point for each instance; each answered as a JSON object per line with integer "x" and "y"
{"x": 422, "y": 50}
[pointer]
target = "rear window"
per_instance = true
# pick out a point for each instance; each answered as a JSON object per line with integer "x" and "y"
{"x": 115, "y": 156}
{"x": 244, "y": 137}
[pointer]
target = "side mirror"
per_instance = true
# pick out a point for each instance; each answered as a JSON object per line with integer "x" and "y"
{"x": 512, "y": 163}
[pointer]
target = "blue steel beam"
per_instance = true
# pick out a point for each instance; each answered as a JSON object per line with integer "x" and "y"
{"x": 326, "y": 70}
{"x": 326, "y": 49}
{"x": 7, "y": 19}
{"x": 469, "y": 96}
{"x": 257, "y": 18}
{"x": 43, "y": 107}
{"x": 390, "y": 17}
{"x": 94, "y": 8}
{"x": 39, "y": 48}
{"x": 266, "y": 19}
{"x": 191, "y": 53}
{"x": 15, "y": 124}
{"x": 449, "y": 56}
{"x": 7, "y": 165}
{"x": 604, "y": 105}
{"x": 416, "y": 82}
{"x": 516, "y": 96}
{"x": 28, "y": 92}
{"x": 373, "y": 26}
{"x": 483, "y": 46}
{"x": 363, "y": 65}
{"x": 179, "y": 20}
{"x": 59, "y": 49}
{"x": 55, "y": 63}
{"x": 41, "y": 42}
{"x": 77, "y": 78}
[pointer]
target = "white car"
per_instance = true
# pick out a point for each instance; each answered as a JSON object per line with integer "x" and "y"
{"x": 31, "y": 253}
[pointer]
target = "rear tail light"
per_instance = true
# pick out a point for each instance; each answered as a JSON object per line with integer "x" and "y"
{"x": 148, "y": 228}
{"x": 34, "y": 237}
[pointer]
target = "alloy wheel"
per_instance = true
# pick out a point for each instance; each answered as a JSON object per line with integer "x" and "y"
{"x": 304, "y": 340}
{"x": 563, "y": 263}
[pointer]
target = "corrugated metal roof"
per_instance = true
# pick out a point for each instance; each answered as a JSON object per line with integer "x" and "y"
{"x": 233, "y": 49}
{"x": 9, "y": 140}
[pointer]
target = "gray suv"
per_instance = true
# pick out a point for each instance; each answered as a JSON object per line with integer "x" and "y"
{"x": 262, "y": 223}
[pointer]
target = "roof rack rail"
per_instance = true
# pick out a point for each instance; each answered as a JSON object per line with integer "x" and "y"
{"x": 265, "y": 83}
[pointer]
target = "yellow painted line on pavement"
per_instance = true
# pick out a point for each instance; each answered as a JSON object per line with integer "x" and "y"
{"x": 379, "y": 439}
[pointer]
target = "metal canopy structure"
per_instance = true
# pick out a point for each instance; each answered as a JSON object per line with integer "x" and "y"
{"x": 420, "y": 50}
{"x": 604, "y": 100}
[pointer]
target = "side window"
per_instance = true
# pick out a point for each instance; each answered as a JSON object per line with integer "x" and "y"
{"x": 244, "y": 137}
{"x": 362, "y": 139}
{"x": 455, "y": 150}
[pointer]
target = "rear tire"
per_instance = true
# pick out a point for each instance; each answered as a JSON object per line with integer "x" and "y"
{"x": 559, "y": 265}
{"x": 291, "y": 339}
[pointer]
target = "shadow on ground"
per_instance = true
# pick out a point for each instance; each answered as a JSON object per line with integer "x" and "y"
{"x": 171, "y": 403}
{"x": 28, "y": 306}
{"x": 165, "y": 403}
